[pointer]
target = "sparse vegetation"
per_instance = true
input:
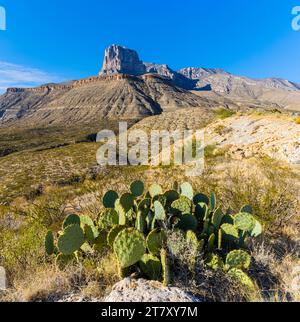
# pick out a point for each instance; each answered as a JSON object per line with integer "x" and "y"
{"x": 223, "y": 113}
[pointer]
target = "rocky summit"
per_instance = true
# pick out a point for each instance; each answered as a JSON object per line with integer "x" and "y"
{"x": 128, "y": 88}
{"x": 119, "y": 59}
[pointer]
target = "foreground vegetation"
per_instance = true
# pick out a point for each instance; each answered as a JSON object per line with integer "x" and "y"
{"x": 40, "y": 187}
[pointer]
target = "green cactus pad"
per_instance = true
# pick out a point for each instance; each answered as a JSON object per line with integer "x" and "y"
{"x": 155, "y": 241}
{"x": 244, "y": 222}
{"x": 109, "y": 199}
{"x": 214, "y": 262}
{"x": 129, "y": 247}
{"x": 217, "y": 218}
{"x": 257, "y": 230}
{"x": 91, "y": 233}
{"x": 108, "y": 218}
{"x": 238, "y": 259}
{"x": 194, "y": 243}
{"x": 201, "y": 198}
{"x": 213, "y": 201}
{"x": 155, "y": 190}
{"x": 86, "y": 248}
{"x": 62, "y": 261}
{"x": 165, "y": 267}
{"x": 241, "y": 277}
{"x": 100, "y": 243}
{"x": 140, "y": 223}
{"x": 113, "y": 234}
{"x": 151, "y": 266}
{"x": 71, "y": 240}
{"x": 201, "y": 211}
{"x": 211, "y": 242}
{"x": 171, "y": 196}
{"x": 247, "y": 209}
{"x": 137, "y": 188}
{"x": 229, "y": 232}
{"x": 181, "y": 206}
{"x": 127, "y": 201}
{"x": 159, "y": 211}
{"x": 86, "y": 220}
{"x": 71, "y": 220}
{"x": 188, "y": 222}
{"x": 187, "y": 190}
{"x": 49, "y": 243}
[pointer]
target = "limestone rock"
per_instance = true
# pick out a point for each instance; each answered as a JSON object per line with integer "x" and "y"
{"x": 121, "y": 60}
{"x": 131, "y": 290}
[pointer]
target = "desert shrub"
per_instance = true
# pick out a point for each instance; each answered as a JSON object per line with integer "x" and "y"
{"x": 136, "y": 226}
{"x": 297, "y": 120}
{"x": 223, "y": 113}
{"x": 22, "y": 249}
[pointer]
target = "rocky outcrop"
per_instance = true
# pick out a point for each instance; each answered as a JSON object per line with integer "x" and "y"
{"x": 254, "y": 136}
{"x": 121, "y": 60}
{"x": 131, "y": 290}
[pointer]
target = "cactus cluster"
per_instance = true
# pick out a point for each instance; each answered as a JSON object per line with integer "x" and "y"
{"x": 135, "y": 225}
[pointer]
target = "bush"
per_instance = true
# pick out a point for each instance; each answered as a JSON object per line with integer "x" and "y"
{"x": 297, "y": 120}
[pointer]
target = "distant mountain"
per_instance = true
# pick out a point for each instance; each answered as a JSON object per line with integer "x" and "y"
{"x": 128, "y": 88}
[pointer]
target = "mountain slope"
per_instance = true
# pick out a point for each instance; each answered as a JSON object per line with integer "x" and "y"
{"x": 97, "y": 98}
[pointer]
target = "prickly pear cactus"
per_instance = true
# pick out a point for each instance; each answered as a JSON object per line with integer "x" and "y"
{"x": 109, "y": 199}
{"x": 155, "y": 190}
{"x": 229, "y": 232}
{"x": 71, "y": 220}
{"x": 188, "y": 222}
{"x": 49, "y": 243}
{"x": 71, "y": 240}
{"x": 127, "y": 201}
{"x": 214, "y": 262}
{"x": 151, "y": 266}
{"x": 187, "y": 190}
{"x": 244, "y": 222}
{"x": 108, "y": 218}
{"x": 171, "y": 196}
{"x": 200, "y": 198}
{"x": 165, "y": 267}
{"x": 140, "y": 223}
{"x": 137, "y": 188}
{"x": 238, "y": 259}
{"x": 113, "y": 234}
{"x": 217, "y": 218}
{"x": 155, "y": 241}
{"x": 159, "y": 211}
{"x": 129, "y": 247}
{"x": 181, "y": 206}
{"x": 242, "y": 278}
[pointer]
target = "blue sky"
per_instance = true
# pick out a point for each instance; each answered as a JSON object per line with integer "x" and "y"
{"x": 58, "y": 40}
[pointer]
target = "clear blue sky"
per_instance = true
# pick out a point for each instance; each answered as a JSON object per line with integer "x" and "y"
{"x": 65, "y": 39}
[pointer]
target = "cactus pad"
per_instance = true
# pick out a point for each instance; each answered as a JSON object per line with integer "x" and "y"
{"x": 49, "y": 243}
{"x": 159, "y": 211}
{"x": 109, "y": 199}
{"x": 151, "y": 266}
{"x": 244, "y": 222}
{"x": 71, "y": 240}
{"x": 71, "y": 220}
{"x": 229, "y": 232}
{"x": 113, "y": 234}
{"x": 187, "y": 190}
{"x": 181, "y": 206}
{"x": 129, "y": 247}
{"x": 155, "y": 190}
{"x": 108, "y": 218}
{"x": 238, "y": 259}
{"x": 155, "y": 241}
{"x": 137, "y": 188}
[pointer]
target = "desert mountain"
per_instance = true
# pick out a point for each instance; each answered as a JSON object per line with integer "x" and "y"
{"x": 128, "y": 88}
